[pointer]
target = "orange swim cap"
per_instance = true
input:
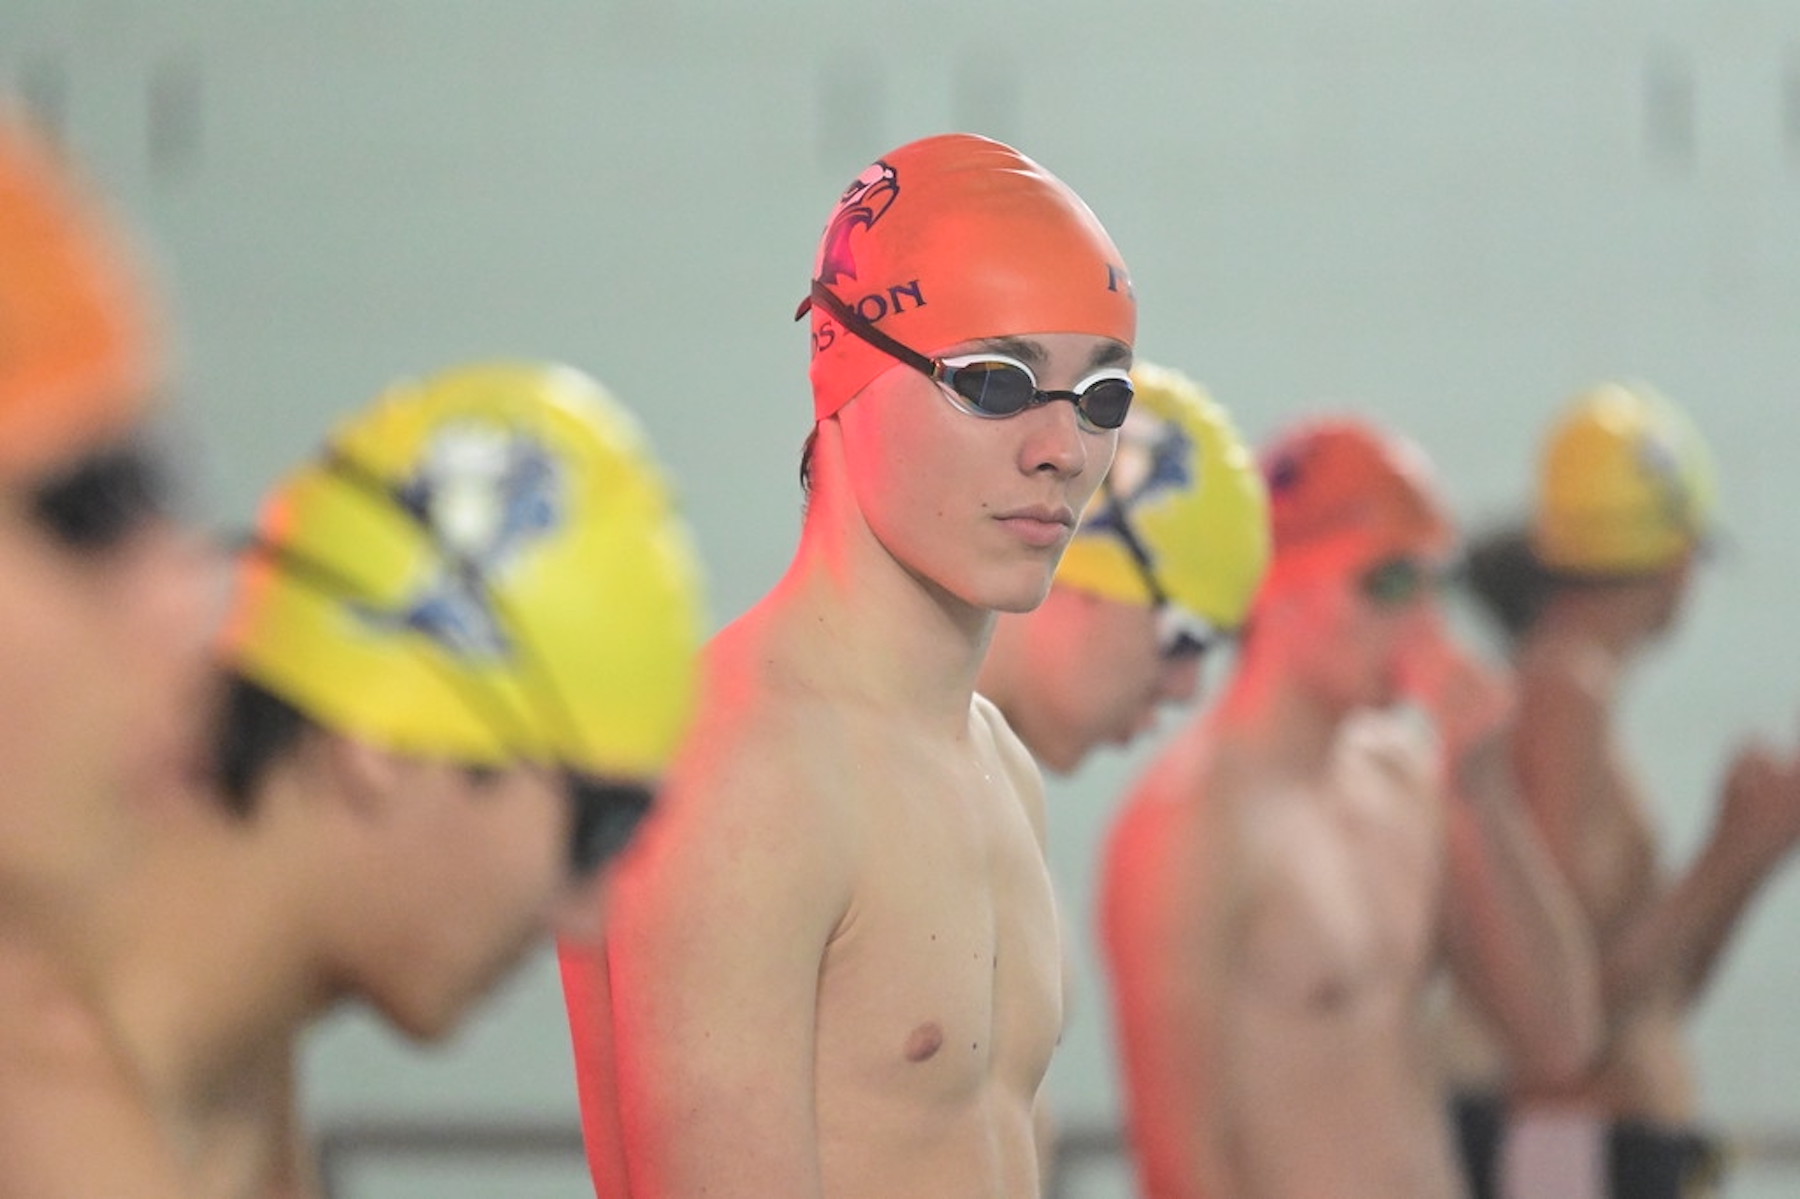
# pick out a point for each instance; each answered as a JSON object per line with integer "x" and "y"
{"x": 77, "y": 362}
{"x": 954, "y": 238}
{"x": 1333, "y": 476}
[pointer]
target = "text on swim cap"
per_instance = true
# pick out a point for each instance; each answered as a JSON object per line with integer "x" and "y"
{"x": 872, "y": 308}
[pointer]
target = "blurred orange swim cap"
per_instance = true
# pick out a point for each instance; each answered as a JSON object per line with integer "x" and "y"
{"x": 77, "y": 352}
{"x": 954, "y": 238}
{"x": 1334, "y": 476}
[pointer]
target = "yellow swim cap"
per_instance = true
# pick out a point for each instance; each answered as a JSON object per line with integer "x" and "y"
{"x": 482, "y": 567}
{"x": 1186, "y": 486}
{"x": 1625, "y": 484}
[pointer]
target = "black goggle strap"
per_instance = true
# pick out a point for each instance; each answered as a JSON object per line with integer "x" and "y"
{"x": 605, "y": 812}
{"x": 854, "y": 322}
{"x": 1180, "y": 638}
{"x": 1140, "y": 556}
{"x": 328, "y": 581}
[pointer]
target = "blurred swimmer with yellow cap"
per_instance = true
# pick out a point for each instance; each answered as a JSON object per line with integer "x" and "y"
{"x": 104, "y": 612}
{"x": 1299, "y": 863}
{"x": 1162, "y": 569}
{"x": 834, "y": 966}
{"x": 1624, "y": 509}
{"x": 459, "y": 656}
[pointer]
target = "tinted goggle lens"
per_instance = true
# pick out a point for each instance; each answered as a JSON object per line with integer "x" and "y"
{"x": 1181, "y": 635}
{"x": 104, "y": 499}
{"x": 606, "y": 815}
{"x": 1398, "y": 581}
{"x": 1106, "y": 402}
{"x": 999, "y": 387}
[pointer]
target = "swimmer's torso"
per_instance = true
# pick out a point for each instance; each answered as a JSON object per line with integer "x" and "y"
{"x": 1329, "y": 891}
{"x": 936, "y": 978}
{"x": 940, "y": 998}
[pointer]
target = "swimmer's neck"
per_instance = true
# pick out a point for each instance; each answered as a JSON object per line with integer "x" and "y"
{"x": 1267, "y": 709}
{"x": 861, "y": 628}
{"x": 1619, "y": 622}
{"x": 210, "y": 996}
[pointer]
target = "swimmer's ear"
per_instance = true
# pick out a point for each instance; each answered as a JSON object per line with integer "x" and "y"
{"x": 365, "y": 778}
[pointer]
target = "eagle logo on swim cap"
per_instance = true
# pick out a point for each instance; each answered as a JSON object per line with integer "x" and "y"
{"x": 860, "y": 207}
{"x": 486, "y": 494}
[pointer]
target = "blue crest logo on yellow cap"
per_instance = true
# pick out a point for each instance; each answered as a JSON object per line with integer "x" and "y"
{"x": 1184, "y": 485}
{"x": 484, "y": 566}
{"x": 487, "y": 494}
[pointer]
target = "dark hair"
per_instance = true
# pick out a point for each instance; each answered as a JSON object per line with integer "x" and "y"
{"x": 1506, "y": 577}
{"x": 806, "y": 458}
{"x": 256, "y": 728}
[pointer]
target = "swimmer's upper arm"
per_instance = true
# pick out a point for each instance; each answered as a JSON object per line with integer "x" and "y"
{"x": 1560, "y": 758}
{"x": 716, "y": 930}
{"x": 1515, "y": 934}
{"x": 1170, "y": 906}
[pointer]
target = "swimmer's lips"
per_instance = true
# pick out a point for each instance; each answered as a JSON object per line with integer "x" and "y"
{"x": 1039, "y": 525}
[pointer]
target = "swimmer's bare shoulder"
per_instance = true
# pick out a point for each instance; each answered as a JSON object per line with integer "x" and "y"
{"x": 719, "y": 921}
{"x": 1019, "y": 768}
{"x": 74, "y": 1122}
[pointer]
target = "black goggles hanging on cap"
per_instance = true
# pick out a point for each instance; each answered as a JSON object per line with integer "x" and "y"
{"x": 989, "y": 384}
{"x": 1179, "y": 633}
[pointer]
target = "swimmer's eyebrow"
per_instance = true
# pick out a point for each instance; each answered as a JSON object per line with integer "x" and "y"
{"x": 1112, "y": 353}
{"x": 1033, "y": 354}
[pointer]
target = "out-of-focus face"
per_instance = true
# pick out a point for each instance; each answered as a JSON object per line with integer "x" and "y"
{"x": 981, "y": 508}
{"x": 1355, "y": 609}
{"x": 1098, "y": 674}
{"x": 1672, "y": 586}
{"x": 105, "y": 612}
{"x": 473, "y": 872}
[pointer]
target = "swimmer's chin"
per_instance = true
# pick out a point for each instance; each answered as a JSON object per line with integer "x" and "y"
{"x": 1025, "y": 599}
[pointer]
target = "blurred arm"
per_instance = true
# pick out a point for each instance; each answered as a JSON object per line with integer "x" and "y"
{"x": 1169, "y": 911}
{"x": 1515, "y": 935}
{"x": 716, "y": 932}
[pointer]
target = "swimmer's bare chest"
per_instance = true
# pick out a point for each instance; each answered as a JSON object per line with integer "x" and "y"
{"x": 939, "y": 998}
{"x": 1344, "y": 907}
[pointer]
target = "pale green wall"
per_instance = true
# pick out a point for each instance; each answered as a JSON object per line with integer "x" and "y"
{"x": 1447, "y": 214}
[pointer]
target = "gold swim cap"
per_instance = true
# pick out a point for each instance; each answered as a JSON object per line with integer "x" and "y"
{"x": 1625, "y": 484}
{"x": 482, "y": 567}
{"x": 77, "y": 358}
{"x": 955, "y": 238}
{"x": 1186, "y": 486}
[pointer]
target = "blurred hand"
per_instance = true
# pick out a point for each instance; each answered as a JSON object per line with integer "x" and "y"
{"x": 1759, "y": 806}
{"x": 1470, "y": 702}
